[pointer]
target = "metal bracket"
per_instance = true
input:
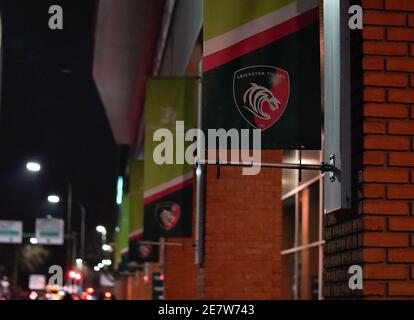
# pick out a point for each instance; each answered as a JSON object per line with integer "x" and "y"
{"x": 323, "y": 167}
{"x": 157, "y": 243}
{"x": 332, "y": 164}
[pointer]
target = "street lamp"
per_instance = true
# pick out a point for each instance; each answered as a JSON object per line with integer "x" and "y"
{"x": 33, "y": 240}
{"x": 102, "y": 231}
{"x": 79, "y": 261}
{"x": 106, "y": 247}
{"x": 106, "y": 262}
{"x": 53, "y": 198}
{"x": 56, "y": 199}
{"x": 33, "y": 166}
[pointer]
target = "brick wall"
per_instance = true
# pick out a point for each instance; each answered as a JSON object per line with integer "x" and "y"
{"x": 388, "y": 176}
{"x": 242, "y": 234}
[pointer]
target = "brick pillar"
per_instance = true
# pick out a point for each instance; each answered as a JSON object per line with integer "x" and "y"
{"x": 242, "y": 234}
{"x": 388, "y": 176}
{"x": 180, "y": 270}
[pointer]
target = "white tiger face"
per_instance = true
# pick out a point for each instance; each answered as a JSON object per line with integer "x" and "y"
{"x": 254, "y": 99}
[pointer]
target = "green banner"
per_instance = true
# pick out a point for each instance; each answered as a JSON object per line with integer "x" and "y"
{"x": 138, "y": 252}
{"x": 169, "y": 113}
{"x": 261, "y": 70}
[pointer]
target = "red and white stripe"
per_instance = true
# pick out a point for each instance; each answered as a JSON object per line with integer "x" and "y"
{"x": 137, "y": 234}
{"x": 259, "y": 33}
{"x": 167, "y": 188}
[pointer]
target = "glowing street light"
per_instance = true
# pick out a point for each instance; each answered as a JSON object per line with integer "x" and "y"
{"x": 107, "y": 262}
{"x": 53, "y": 198}
{"x": 101, "y": 229}
{"x": 96, "y": 268}
{"x": 33, "y": 166}
{"x": 33, "y": 240}
{"x": 106, "y": 247}
{"x": 79, "y": 261}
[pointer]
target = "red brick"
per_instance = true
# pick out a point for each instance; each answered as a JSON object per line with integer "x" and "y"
{"x": 400, "y": 192}
{"x": 374, "y": 223}
{"x": 385, "y": 48}
{"x": 386, "y": 142}
{"x": 399, "y": 5}
{"x": 386, "y": 272}
{"x": 401, "y": 224}
{"x": 385, "y": 110}
{"x": 374, "y": 191}
{"x": 374, "y": 157}
{"x": 374, "y": 95}
{"x": 374, "y": 127}
{"x": 401, "y": 159}
{"x": 373, "y": 63}
{"x": 373, "y": 33}
{"x": 400, "y": 64}
{"x": 411, "y": 20}
{"x": 372, "y": 4}
{"x": 412, "y": 49}
{"x": 373, "y": 255}
{"x": 412, "y": 85}
{"x": 385, "y": 79}
{"x": 401, "y": 288}
{"x": 400, "y": 34}
{"x": 374, "y": 288}
{"x": 374, "y": 174}
{"x": 384, "y": 207}
{"x": 405, "y": 127}
{"x": 401, "y": 95}
{"x": 401, "y": 255}
{"x": 384, "y": 18}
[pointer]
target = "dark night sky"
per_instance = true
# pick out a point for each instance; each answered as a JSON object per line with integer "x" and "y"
{"x": 52, "y": 116}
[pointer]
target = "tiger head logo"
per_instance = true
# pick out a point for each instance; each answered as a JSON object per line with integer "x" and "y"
{"x": 261, "y": 94}
{"x": 167, "y": 214}
{"x": 255, "y": 98}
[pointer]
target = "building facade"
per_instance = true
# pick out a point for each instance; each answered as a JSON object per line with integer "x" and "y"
{"x": 267, "y": 236}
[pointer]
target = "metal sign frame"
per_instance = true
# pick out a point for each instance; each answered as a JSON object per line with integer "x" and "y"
{"x": 337, "y": 105}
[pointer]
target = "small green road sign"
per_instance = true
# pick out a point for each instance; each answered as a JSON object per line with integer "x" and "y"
{"x": 11, "y": 231}
{"x": 50, "y": 231}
